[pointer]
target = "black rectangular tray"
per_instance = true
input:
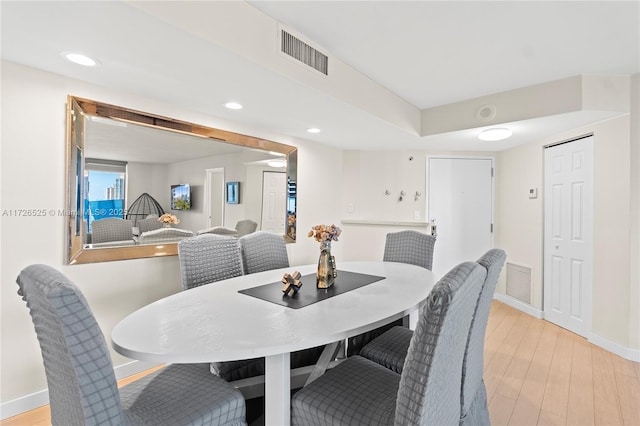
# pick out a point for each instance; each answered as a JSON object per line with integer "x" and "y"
{"x": 308, "y": 293}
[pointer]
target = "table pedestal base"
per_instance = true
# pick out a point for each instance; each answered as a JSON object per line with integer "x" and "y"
{"x": 277, "y": 390}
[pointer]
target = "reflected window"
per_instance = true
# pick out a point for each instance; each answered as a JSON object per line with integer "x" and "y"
{"x": 104, "y": 189}
{"x": 292, "y": 197}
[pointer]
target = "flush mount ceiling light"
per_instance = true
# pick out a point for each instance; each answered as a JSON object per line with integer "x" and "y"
{"x": 495, "y": 134}
{"x": 233, "y": 105}
{"x": 80, "y": 59}
{"x": 313, "y": 130}
{"x": 276, "y": 163}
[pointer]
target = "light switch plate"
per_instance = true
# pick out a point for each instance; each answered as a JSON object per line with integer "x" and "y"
{"x": 533, "y": 192}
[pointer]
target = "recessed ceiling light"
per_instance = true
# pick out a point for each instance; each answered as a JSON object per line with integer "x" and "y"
{"x": 495, "y": 134}
{"x": 80, "y": 59}
{"x": 313, "y": 130}
{"x": 276, "y": 163}
{"x": 233, "y": 105}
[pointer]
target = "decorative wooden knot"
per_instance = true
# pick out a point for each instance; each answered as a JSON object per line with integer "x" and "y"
{"x": 291, "y": 283}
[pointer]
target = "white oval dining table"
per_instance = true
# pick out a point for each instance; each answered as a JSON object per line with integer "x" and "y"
{"x": 217, "y": 323}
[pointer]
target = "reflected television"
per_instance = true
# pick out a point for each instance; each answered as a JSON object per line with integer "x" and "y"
{"x": 181, "y": 197}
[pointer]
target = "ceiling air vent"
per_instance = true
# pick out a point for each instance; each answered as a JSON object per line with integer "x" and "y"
{"x": 304, "y": 53}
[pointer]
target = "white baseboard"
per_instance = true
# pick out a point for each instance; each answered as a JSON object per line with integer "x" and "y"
{"x": 613, "y": 347}
{"x": 133, "y": 367}
{"x": 517, "y": 304}
{"x": 40, "y": 398}
{"x": 23, "y": 404}
{"x": 616, "y": 348}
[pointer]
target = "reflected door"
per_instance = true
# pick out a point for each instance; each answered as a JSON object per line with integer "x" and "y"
{"x": 215, "y": 192}
{"x": 274, "y": 186}
{"x": 568, "y": 234}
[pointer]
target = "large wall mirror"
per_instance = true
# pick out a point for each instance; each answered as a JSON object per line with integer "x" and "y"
{"x": 138, "y": 183}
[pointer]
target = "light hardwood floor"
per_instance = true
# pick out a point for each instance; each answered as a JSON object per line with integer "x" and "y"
{"x": 41, "y": 416}
{"x": 536, "y": 374}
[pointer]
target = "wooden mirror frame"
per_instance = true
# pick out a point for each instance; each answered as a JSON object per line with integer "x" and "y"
{"x": 78, "y": 109}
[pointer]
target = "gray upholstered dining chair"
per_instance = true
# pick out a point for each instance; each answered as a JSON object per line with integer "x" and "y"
{"x": 263, "y": 251}
{"x": 245, "y": 227}
{"x": 111, "y": 229}
{"x": 82, "y": 384}
{"x": 390, "y": 349}
{"x": 409, "y": 246}
{"x": 475, "y": 410}
{"x": 208, "y": 258}
{"x": 149, "y": 224}
{"x": 361, "y": 392}
{"x": 205, "y": 259}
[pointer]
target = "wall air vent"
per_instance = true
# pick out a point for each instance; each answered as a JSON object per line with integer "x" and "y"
{"x": 304, "y": 53}
{"x": 519, "y": 282}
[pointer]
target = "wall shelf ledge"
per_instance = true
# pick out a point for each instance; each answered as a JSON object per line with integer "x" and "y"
{"x": 375, "y": 222}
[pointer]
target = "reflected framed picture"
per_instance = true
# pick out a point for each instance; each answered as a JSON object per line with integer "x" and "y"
{"x": 233, "y": 192}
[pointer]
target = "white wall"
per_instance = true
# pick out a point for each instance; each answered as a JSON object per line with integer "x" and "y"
{"x": 519, "y": 221}
{"x": 236, "y": 169}
{"x": 634, "y": 292}
{"x": 145, "y": 177}
{"x": 318, "y": 196}
{"x": 32, "y": 177}
{"x": 518, "y": 218}
{"x": 193, "y": 172}
{"x": 366, "y": 175}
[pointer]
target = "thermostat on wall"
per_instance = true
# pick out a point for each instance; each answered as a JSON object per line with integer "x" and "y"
{"x": 533, "y": 192}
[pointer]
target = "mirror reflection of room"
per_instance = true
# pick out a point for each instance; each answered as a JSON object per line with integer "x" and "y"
{"x": 144, "y": 186}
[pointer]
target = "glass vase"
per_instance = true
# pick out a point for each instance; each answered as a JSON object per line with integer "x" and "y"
{"x": 327, "y": 272}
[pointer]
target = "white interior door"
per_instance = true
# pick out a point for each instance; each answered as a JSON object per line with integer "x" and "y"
{"x": 274, "y": 193}
{"x": 460, "y": 200}
{"x": 214, "y": 190}
{"x": 568, "y": 234}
